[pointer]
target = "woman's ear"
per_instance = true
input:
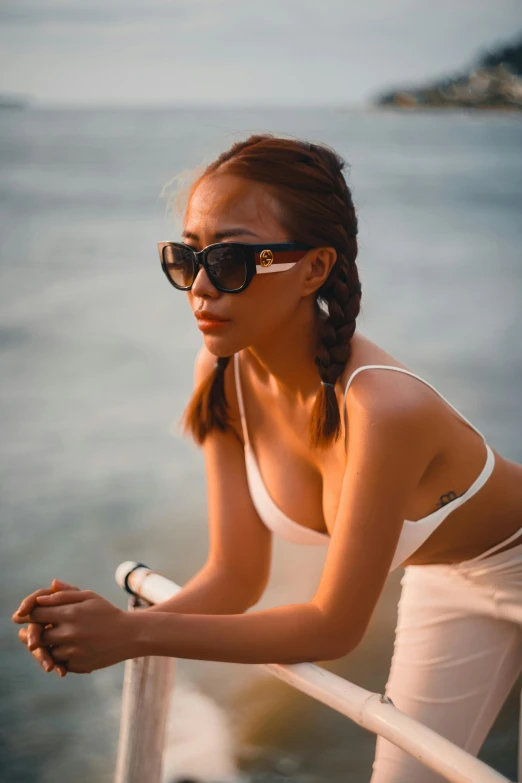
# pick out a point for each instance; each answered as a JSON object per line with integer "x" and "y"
{"x": 318, "y": 267}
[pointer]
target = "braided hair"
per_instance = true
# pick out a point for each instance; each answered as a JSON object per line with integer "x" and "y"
{"x": 316, "y": 208}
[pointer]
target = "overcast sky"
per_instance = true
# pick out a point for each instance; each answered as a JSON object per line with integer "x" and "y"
{"x": 239, "y": 51}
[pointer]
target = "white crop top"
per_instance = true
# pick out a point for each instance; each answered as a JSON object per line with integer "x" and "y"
{"x": 413, "y": 533}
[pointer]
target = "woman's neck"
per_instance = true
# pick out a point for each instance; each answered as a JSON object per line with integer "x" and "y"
{"x": 285, "y": 361}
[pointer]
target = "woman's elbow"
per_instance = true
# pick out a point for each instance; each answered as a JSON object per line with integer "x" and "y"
{"x": 338, "y": 638}
{"x": 335, "y": 648}
{"x": 331, "y": 643}
{"x": 326, "y": 652}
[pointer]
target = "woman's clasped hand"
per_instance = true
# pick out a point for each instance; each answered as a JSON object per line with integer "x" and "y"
{"x": 74, "y": 630}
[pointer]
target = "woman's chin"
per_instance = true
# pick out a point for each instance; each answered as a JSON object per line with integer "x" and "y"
{"x": 219, "y": 345}
{"x": 226, "y": 342}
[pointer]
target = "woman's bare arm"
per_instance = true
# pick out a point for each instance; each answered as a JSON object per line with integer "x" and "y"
{"x": 389, "y": 445}
{"x": 391, "y": 442}
{"x": 238, "y": 564}
{"x": 207, "y": 592}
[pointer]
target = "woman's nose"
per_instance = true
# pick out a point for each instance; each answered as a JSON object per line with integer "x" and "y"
{"x": 202, "y": 285}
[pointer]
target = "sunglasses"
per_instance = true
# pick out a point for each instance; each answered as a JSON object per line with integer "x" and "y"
{"x": 230, "y": 266}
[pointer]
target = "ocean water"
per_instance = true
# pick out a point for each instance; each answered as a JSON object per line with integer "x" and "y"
{"x": 96, "y": 358}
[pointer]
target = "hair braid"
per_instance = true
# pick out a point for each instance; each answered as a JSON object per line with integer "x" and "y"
{"x": 342, "y": 297}
{"x": 341, "y": 293}
{"x": 208, "y": 409}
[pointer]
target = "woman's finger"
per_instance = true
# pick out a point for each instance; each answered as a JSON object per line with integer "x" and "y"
{"x": 54, "y": 610}
{"x": 34, "y": 632}
{"x": 64, "y": 610}
{"x": 21, "y": 614}
{"x": 44, "y": 658}
{"x": 53, "y": 635}
{"x": 47, "y": 603}
{"x": 57, "y": 584}
{"x": 22, "y": 635}
{"x": 28, "y": 603}
{"x": 43, "y": 655}
{"x": 63, "y": 597}
{"x": 62, "y": 652}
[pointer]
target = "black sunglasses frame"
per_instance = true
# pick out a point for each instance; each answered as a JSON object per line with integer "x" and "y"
{"x": 259, "y": 258}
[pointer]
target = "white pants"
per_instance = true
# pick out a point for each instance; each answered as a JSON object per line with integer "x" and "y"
{"x": 457, "y": 654}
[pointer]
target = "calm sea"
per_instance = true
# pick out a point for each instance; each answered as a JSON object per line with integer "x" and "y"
{"x": 96, "y": 357}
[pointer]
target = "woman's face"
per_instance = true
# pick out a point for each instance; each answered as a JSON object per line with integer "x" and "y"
{"x": 227, "y": 208}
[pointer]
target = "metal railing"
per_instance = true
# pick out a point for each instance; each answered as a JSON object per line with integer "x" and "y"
{"x": 148, "y": 686}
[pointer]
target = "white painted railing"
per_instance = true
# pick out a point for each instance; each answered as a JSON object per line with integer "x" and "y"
{"x": 148, "y": 685}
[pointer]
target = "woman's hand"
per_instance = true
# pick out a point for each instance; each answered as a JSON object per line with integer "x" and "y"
{"x": 87, "y": 632}
{"x": 30, "y": 636}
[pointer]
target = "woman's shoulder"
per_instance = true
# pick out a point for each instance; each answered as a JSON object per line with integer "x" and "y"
{"x": 377, "y": 388}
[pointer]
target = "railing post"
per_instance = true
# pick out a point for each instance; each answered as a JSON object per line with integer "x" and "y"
{"x": 147, "y": 690}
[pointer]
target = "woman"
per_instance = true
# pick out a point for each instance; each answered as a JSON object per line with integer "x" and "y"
{"x": 316, "y": 433}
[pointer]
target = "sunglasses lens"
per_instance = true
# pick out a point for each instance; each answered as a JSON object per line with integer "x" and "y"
{"x": 179, "y": 265}
{"x": 227, "y": 267}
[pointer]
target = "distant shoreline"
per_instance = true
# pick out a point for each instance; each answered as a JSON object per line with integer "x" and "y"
{"x": 447, "y": 107}
{"x": 16, "y": 104}
{"x": 494, "y": 84}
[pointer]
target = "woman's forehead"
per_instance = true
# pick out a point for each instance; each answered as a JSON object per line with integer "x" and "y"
{"x": 231, "y": 201}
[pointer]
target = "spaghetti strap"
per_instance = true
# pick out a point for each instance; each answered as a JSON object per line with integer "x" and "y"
{"x": 240, "y": 398}
{"x": 407, "y": 372}
{"x": 493, "y": 549}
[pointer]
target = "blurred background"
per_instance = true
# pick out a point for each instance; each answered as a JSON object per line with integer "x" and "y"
{"x": 104, "y": 110}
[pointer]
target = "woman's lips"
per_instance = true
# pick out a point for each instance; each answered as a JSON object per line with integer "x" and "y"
{"x": 207, "y": 323}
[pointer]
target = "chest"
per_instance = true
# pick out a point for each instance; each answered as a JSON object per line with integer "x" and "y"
{"x": 305, "y": 485}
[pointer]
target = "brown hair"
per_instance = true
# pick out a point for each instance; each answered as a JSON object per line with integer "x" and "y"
{"x": 316, "y": 208}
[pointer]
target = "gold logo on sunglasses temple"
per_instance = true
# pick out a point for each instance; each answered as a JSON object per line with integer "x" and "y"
{"x": 266, "y": 257}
